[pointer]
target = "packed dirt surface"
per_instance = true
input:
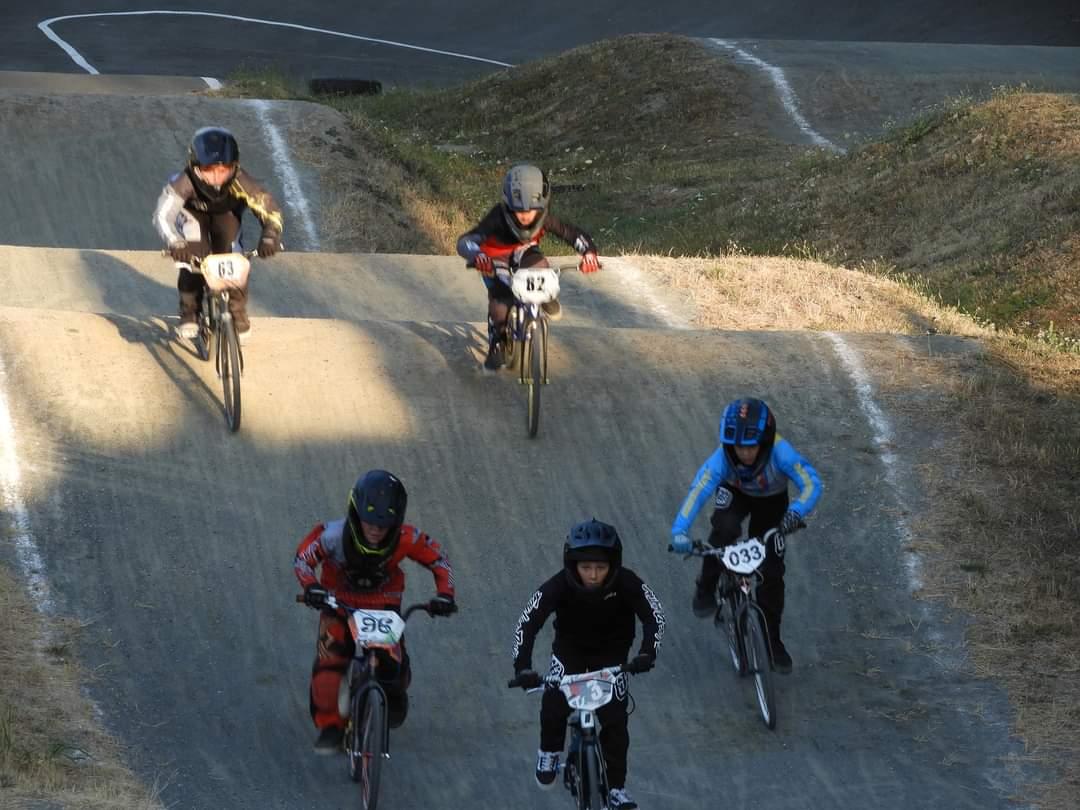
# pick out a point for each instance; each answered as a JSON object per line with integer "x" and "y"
{"x": 176, "y": 538}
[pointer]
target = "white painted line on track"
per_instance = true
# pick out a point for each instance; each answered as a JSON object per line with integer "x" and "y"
{"x": 787, "y": 94}
{"x": 290, "y": 179}
{"x": 642, "y": 288}
{"x": 26, "y": 550}
{"x": 46, "y": 29}
{"x": 883, "y": 438}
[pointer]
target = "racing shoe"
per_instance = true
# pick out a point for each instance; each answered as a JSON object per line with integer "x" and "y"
{"x": 243, "y": 335}
{"x": 619, "y": 799}
{"x": 781, "y": 658}
{"x": 704, "y": 604}
{"x": 553, "y": 309}
{"x": 547, "y": 768}
{"x": 188, "y": 330}
{"x": 329, "y": 740}
{"x": 496, "y": 357}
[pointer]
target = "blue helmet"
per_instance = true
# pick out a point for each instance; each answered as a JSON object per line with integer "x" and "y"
{"x": 748, "y": 423}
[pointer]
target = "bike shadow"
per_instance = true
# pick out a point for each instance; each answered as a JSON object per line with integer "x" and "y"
{"x": 125, "y": 289}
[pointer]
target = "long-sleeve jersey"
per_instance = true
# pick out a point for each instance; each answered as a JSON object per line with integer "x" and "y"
{"x": 591, "y": 622}
{"x": 784, "y": 464}
{"x": 242, "y": 192}
{"x": 492, "y": 235}
{"x": 322, "y": 549}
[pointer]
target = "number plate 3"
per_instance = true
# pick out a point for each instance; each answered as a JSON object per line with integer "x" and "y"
{"x": 744, "y": 557}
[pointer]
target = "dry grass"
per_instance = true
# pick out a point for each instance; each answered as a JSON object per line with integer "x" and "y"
{"x": 50, "y": 746}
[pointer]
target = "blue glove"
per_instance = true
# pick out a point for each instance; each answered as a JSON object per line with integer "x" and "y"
{"x": 681, "y": 544}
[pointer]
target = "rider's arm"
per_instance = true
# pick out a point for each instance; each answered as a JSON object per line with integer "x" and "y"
{"x": 170, "y": 207}
{"x": 490, "y": 236}
{"x": 422, "y": 549}
{"x": 804, "y": 476}
{"x": 309, "y": 554}
{"x": 540, "y": 606}
{"x": 708, "y": 478}
{"x": 260, "y": 201}
{"x": 571, "y": 234}
{"x": 649, "y": 611}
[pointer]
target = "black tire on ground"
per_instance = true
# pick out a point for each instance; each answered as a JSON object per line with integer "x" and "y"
{"x": 535, "y": 375}
{"x": 229, "y": 367}
{"x": 369, "y": 725}
{"x": 544, "y": 326}
{"x": 595, "y": 791}
{"x": 344, "y": 87}
{"x": 760, "y": 664}
{"x": 731, "y": 632}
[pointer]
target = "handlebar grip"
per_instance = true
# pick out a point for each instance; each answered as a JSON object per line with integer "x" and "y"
{"x": 300, "y": 597}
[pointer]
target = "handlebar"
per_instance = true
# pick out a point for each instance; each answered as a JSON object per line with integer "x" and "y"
{"x": 547, "y": 681}
{"x": 331, "y": 602}
{"x": 196, "y": 261}
{"x": 701, "y": 549}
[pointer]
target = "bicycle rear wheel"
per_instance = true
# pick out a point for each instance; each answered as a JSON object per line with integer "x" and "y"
{"x": 535, "y": 354}
{"x": 367, "y": 744}
{"x": 760, "y": 665}
{"x": 229, "y": 369}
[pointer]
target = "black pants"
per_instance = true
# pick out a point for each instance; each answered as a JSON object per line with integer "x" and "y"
{"x": 614, "y": 734}
{"x": 218, "y": 232}
{"x": 732, "y": 508}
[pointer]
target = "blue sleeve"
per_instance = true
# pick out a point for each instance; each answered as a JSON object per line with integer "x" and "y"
{"x": 804, "y": 476}
{"x": 708, "y": 478}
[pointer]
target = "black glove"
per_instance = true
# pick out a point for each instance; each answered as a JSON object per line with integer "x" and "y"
{"x": 527, "y": 679}
{"x": 791, "y": 522}
{"x": 315, "y": 596}
{"x": 181, "y": 251}
{"x": 640, "y": 663}
{"x": 268, "y": 244}
{"x": 442, "y": 605}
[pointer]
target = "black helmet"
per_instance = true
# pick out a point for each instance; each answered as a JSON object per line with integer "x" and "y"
{"x": 211, "y": 146}
{"x": 525, "y": 188}
{"x": 378, "y": 498}
{"x": 748, "y": 423}
{"x": 592, "y": 540}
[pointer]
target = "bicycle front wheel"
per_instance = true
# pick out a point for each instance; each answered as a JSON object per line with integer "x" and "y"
{"x": 726, "y": 619}
{"x": 593, "y": 795}
{"x": 760, "y": 665}
{"x": 229, "y": 368}
{"x": 367, "y": 744}
{"x": 535, "y": 375}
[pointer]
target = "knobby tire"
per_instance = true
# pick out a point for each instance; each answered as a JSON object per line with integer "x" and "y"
{"x": 595, "y": 791}
{"x": 729, "y": 623}
{"x": 229, "y": 348}
{"x": 535, "y": 375}
{"x": 368, "y": 745}
{"x": 757, "y": 647}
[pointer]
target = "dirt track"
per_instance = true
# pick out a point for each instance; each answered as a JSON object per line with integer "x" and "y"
{"x": 174, "y": 540}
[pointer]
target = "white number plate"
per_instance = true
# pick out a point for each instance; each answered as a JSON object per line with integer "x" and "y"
{"x": 376, "y": 627}
{"x": 587, "y": 694}
{"x": 225, "y": 271}
{"x": 536, "y": 285}
{"x": 744, "y": 557}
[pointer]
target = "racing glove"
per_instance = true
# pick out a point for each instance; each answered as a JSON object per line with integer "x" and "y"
{"x": 681, "y": 544}
{"x": 527, "y": 679}
{"x": 181, "y": 251}
{"x": 642, "y": 662}
{"x": 269, "y": 244}
{"x": 442, "y": 605}
{"x": 315, "y": 596}
{"x": 791, "y": 522}
{"x": 483, "y": 263}
{"x": 590, "y": 262}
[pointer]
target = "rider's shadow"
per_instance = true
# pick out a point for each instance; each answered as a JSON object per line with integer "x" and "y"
{"x": 461, "y": 345}
{"x": 124, "y": 289}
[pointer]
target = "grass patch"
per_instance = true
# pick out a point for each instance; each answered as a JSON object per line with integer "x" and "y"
{"x": 50, "y": 747}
